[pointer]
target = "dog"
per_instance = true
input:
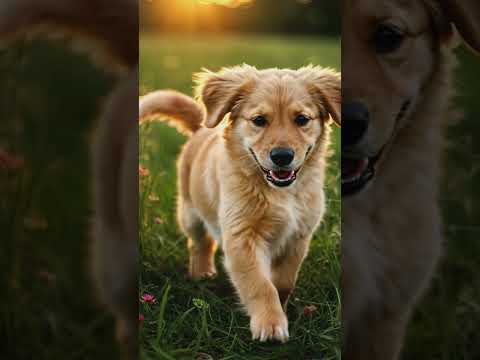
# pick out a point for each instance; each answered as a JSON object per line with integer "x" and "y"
{"x": 250, "y": 179}
{"x": 395, "y": 110}
{"x": 110, "y": 35}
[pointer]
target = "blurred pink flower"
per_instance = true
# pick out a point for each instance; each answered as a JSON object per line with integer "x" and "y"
{"x": 143, "y": 171}
{"x": 158, "y": 220}
{"x": 35, "y": 222}
{"x": 149, "y": 298}
{"x": 309, "y": 310}
{"x": 10, "y": 162}
{"x": 141, "y": 318}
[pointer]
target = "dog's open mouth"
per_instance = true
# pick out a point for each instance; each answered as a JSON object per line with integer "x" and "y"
{"x": 357, "y": 173}
{"x": 280, "y": 178}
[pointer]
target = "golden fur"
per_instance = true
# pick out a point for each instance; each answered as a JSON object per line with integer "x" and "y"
{"x": 224, "y": 197}
{"x": 391, "y": 230}
{"x": 111, "y": 36}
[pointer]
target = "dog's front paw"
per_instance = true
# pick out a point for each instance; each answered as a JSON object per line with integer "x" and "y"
{"x": 269, "y": 326}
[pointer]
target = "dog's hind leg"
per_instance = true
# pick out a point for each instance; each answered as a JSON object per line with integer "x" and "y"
{"x": 201, "y": 246}
{"x": 202, "y": 257}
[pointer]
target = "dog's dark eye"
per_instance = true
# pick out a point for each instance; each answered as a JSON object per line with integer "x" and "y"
{"x": 387, "y": 39}
{"x": 259, "y": 121}
{"x": 302, "y": 120}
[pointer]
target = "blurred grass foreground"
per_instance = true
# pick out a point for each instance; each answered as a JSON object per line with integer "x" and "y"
{"x": 49, "y": 101}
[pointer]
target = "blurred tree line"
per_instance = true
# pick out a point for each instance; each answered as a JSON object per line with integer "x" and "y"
{"x": 258, "y": 16}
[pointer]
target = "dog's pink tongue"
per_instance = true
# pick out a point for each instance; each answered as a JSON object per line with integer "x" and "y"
{"x": 282, "y": 175}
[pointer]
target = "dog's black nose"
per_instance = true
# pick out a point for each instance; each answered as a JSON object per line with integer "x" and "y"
{"x": 355, "y": 119}
{"x": 282, "y": 156}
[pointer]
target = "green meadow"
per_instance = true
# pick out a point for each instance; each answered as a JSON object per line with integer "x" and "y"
{"x": 194, "y": 319}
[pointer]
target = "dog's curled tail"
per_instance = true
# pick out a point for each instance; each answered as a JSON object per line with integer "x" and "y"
{"x": 179, "y": 110}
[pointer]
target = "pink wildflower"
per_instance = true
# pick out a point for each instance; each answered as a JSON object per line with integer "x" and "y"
{"x": 143, "y": 171}
{"x": 309, "y": 310}
{"x": 149, "y": 298}
{"x": 10, "y": 162}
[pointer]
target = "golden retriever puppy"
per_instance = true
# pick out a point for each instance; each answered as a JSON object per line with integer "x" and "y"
{"x": 111, "y": 36}
{"x": 397, "y": 71}
{"x": 251, "y": 180}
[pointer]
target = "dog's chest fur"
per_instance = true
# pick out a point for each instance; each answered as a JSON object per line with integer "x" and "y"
{"x": 280, "y": 218}
{"x": 292, "y": 217}
{"x": 390, "y": 246}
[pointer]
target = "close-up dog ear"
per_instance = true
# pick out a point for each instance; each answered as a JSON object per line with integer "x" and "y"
{"x": 465, "y": 15}
{"x": 221, "y": 91}
{"x": 325, "y": 85}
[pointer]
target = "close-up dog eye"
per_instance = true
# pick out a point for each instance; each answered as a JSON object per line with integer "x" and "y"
{"x": 302, "y": 120}
{"x": 259, "y": 121}
{"x": 387, "y": 38}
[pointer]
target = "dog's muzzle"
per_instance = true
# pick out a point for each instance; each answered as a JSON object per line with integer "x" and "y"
{"x": 358, "y": 171}
{"x": 281, "y": 177}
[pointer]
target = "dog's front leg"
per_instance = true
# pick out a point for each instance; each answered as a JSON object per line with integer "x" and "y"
{"x": 248, "y": 263}
{"x": 285, "y": 271}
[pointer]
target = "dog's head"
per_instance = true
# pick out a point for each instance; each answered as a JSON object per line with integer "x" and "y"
{"x": 390, "y": 49}
{"x": 276, "y": 120}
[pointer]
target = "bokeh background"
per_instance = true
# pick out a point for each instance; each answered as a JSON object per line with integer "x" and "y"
{"x": 253, "y": 17}
{"x": 50, "y": 98}
{"x": 203, "y": 320}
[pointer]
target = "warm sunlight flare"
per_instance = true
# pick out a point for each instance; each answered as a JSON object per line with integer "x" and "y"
{"x": 193, "y": 15}
{"x": 229, "y": 3}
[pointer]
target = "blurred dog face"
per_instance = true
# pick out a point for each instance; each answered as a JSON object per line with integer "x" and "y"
{"x": 395, "y": 41}
{"x": 277, "y": 117}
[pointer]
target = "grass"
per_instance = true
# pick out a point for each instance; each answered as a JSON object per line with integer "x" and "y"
{"x": 47, "y": 308}
{"x": 195, "y": 318}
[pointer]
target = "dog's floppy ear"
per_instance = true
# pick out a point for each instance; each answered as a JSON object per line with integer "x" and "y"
{"x": 221, "y": 91}
{"x": 325, "y": 85}
{"x": 465, "y": 15}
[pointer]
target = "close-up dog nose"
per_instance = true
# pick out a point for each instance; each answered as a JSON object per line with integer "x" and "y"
{"x": 282, "y": 156}
{"x": 355, "y": 118}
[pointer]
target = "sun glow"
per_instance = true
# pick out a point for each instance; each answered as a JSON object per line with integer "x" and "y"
{"x": 190, "y": 16}
{"x": 228, "y": 3}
